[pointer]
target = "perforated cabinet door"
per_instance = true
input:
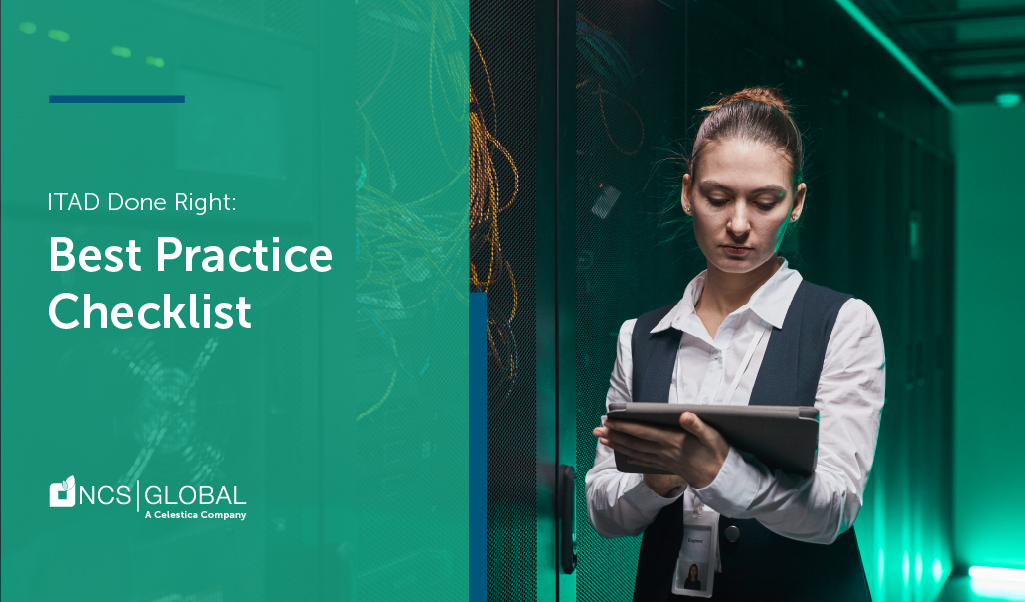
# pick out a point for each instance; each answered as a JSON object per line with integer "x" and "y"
{"x": 631, "y": 104}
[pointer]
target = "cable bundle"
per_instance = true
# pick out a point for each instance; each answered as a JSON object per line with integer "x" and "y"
{"x": 407, "y": 252}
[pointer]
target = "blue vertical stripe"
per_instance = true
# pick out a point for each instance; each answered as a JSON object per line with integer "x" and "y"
{"x": 478, "y": 447}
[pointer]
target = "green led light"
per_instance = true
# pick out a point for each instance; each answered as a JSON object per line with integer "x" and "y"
{"x": 882, "y": 567}
{"x": 861, "y": 19}
{"x": 156, "y": 61}
{"x": 992, "y": 573}
{"x": 60, "y": 36}
{"x": 937, "y": 570}
{"x": 905, "y": 567}
{"x": 27, "y": 27}
{"x": 1008, "y": 99}
{"x": 998, "y": 590}
{"x": 121, "y": 51}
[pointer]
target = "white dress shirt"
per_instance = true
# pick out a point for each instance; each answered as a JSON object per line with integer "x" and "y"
{"x": 849, "y": 398}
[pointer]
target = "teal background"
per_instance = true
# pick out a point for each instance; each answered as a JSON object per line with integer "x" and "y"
{"x": 341, "y": 415}
{"x": 988, "y": 412}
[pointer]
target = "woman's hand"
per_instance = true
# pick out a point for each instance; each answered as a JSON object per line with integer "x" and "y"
{"x": 695, "y": 455}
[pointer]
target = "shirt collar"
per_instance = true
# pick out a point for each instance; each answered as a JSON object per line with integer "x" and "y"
{"x": 770, "y": 302}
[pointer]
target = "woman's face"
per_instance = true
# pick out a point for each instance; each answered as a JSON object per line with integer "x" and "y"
{"x": 693, "y": 573}
{"x": 741, "y": 200}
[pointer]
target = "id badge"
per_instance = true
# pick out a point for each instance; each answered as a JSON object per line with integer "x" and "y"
{"x": 696, "y": 565}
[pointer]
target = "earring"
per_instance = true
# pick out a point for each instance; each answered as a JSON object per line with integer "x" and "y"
{"x": 686, "y": 207}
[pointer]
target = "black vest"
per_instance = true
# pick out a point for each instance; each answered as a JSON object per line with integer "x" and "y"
{"x": 760, "y": 565}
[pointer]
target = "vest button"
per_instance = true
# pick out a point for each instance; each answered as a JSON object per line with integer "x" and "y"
{"x": 732, "y": 533}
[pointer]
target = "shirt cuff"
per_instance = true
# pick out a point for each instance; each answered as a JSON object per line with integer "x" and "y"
{"x": 732, "y": 490}
{"x": 646, "y": 500}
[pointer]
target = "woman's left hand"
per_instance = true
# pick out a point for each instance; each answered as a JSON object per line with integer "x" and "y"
{"x": 696, "y": 454}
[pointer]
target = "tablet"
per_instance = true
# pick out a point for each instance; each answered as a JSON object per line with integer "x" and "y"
{"x": 784, "y": 437}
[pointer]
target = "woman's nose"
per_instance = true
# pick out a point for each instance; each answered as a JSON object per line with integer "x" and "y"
{"x": 738, "y": 224}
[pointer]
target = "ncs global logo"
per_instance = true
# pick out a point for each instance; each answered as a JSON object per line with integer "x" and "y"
{"x": 62, "y": 495}
{"x": 154, "y": 497}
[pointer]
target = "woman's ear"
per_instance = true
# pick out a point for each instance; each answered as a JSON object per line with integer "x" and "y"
{"x": 685, "y": 195}
{"x": 798, "y": 206}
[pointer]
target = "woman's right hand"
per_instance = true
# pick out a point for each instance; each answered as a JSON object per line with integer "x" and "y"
{"x": 663, "y": 484}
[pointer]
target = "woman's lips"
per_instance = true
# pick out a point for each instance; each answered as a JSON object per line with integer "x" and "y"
{"x": 737, "y": 251}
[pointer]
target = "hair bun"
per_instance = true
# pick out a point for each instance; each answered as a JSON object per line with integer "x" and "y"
{"x": 769, "y": 96}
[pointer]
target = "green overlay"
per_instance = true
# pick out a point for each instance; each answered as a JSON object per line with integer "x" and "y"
{"x": 316, "y": 448}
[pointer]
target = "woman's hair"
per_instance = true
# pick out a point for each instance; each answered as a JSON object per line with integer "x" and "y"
{"x": 759, "y": 114}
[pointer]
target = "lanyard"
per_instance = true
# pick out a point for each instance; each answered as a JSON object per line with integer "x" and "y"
{"x": 698, "y": 523}
{"x": 743, "y": 363}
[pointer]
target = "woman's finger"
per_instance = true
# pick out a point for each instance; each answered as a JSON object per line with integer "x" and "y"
{"x": 626, "y": 440}
{"x": 623, "y": 447}
{"x": 646, "y": 460}
{"x": 637, "y": 462}
{"x": 697, "y": 427}
{"x": 618, "y": 445}
{"x": 706, "y": 435}
{"x": 640, "y": 430}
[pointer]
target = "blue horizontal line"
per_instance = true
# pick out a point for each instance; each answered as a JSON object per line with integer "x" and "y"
{"x": 95, "y": 99}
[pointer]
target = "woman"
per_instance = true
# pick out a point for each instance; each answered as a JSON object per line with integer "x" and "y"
{"x": 748, "y": 330}
{"x": 692, "y": 578}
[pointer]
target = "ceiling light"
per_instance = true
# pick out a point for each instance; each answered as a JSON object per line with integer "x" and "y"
{"x": 873, "y": 30}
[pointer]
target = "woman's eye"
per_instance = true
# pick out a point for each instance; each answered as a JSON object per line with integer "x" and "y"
{"x": 765, "y": 206}
{"x": 718, "y": 202}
